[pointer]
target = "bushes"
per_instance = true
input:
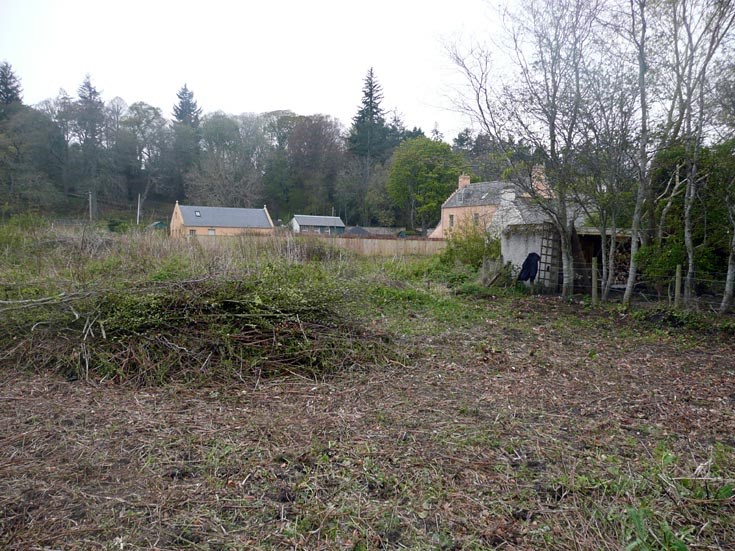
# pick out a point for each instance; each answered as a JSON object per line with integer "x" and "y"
{"x": 469, "y": 244}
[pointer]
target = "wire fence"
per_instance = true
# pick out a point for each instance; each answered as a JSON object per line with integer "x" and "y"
{"x": 705, "y": 292}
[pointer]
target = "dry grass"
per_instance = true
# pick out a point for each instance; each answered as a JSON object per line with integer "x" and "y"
{"x": 508, "y": 423}
{"x": 528, "y": 425}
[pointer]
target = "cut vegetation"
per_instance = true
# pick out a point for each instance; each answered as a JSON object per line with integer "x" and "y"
{"x": 275, "y": 394}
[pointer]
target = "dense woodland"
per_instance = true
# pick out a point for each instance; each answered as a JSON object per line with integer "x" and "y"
{"x": 70, "y": 147}
{"x": 628, "y": 105}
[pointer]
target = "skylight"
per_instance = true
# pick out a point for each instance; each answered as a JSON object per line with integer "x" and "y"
{"x": 197, "y": 213}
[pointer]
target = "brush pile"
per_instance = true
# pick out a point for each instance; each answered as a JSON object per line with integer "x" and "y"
{"x": 277, "y": 322}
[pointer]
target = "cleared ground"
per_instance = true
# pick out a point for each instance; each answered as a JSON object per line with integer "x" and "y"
{"x": 508, "y": 423}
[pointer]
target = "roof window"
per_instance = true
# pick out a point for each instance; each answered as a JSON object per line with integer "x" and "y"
{"x": 197, "y": 213}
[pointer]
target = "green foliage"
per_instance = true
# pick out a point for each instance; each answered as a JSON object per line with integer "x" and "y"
{"x": 434, "y": 269}
{"x": 186, "y": 111}
{"x": 478, "y": 290}
{"x": 422, "y": 175}
{"x": 659, "y": 265}
{"x": 285, "y": 319}
{"x": 173, "y": 268}
{"x": 16, "y": 237}
{"x": 709, "y": 214}
{"x": 665, "y": 317}
{"x": 647, "y": 538}
{"x": 116, "y": 225}
{"x": 469, "y": 244}
{"x": 10, "y": 89}
{"x": 488, "y": 157}
{"x": 27, "y": 224}
{"x": 369, "y": 134}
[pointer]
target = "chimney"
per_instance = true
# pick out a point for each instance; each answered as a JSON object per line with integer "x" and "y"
{"x": 464, "y": 181}
{"x": 539, "y": 183}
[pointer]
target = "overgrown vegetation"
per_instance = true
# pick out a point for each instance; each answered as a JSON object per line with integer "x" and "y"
{"x": 182, "y": 311}
{"x": 470, "y": 244}
{"x": 278, "y": 394}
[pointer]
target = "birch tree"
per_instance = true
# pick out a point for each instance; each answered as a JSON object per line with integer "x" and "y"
{"x": 698, "y": 30}
{"x": 542, "y": 106}
{"x": 607, "y": 159}
{"x": 672, "y": 101}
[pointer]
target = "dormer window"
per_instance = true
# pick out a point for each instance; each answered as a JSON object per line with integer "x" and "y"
{"x": 197, "y": 213}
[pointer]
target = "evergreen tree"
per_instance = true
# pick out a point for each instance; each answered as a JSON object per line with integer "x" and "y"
{"x": 371, "y": 139}
{"x": 369, "y": 133}
{"x": 10, "y": 90}
{"x": 89, "y": 124}
{"x": 186, "y": 110}
{"x": 186, "y": 138}
{"x": 90, "y": 115}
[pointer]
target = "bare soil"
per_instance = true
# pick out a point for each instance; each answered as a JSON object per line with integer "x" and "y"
{"x": 545, "y": 426}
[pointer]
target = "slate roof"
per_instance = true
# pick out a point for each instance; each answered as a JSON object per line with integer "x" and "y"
{"x": 224, "y": 217}
{"x": 480, "y": 193}
{"x": 326, "y": 221}
{"x": 530, "y": 212}
{"x": 357, "y": 231}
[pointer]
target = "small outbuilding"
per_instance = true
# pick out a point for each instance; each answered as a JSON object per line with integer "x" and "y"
{"x": 328, "y": 225}
{"x": 189, "y": 220}
{"x": 357, "y": 231}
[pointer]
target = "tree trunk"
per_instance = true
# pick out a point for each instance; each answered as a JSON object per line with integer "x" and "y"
{"x": 634, "y": 240}
{"x": 613, "y": 247}
{"x": 642, "y": 156}
{"x": 688, "y": 238}
{"x": 727, "y": 297}
{"x": 603, "y": 249}
{"x": 567, "y": 262}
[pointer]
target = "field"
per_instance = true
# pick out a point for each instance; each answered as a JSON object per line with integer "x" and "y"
{"x": 286, "y": 396}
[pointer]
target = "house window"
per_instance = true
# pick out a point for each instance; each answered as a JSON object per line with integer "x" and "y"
{"x": 211, "y": 231}
{"x": 197, "y": 213}
{"x": 192, "y": 232}
{"x": 451, "y": 220}
{"x": 477, "y": 218}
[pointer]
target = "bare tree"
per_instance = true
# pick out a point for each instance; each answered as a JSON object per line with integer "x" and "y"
{"x": 543, "y": 106}
{"x": 638, "y": 35}
{"x": 229, "y": 167}
{"x": 698, "y": 29}
{"x": 675, "y": 78}
{"x": 607, "y": 158}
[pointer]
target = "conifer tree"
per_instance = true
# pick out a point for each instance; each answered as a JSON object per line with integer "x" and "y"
{"x": 369, "y": 133}
{"x": 186, "y": 110}
{"x": 10, "y": 90}
{"x": 186, "y": 138}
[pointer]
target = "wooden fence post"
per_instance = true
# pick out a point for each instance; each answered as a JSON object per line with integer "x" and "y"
{"x": 677, "y": 287}
{"x": 595, "y": 300}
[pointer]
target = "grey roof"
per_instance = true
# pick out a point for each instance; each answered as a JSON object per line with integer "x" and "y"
{"x": 357, "y": 230}
{"x": 480, "y": 193}
{"x": 326, "y": 221}
{"x": 224, "y": 217}
{"x": 529, "y": 211}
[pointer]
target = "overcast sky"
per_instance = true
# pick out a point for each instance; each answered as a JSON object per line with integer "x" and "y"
{"x": 247, "y": 57}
